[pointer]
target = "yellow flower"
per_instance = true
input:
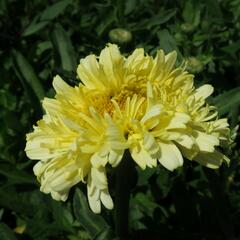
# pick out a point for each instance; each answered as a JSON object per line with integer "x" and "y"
{"x": 142, "y": 104}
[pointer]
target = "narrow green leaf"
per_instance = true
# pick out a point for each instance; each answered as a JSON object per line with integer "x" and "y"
{"x": 6, "y": 233}
{"x": 227, "y": 101}
{"x": 161, "y": 18}
{"x": 93, "y": 223}
{"x": 28, "y": 74}
{"x": 191, "y": 12}
{"x": 63, "y": 49}
{"x": 62, "y": 216}
{"x": 232, "y": 48}
{"x": 44, "y": 18}
{"x": 33, "y": 99}
{"x": 158, "y": 19}
{"x": 106, "y": 234}
{"x": 130, "y": 6}
{"x": 109, "y": 19}
{"x": 54, "y": 10}
{"x": 1, "y": 213}
{"x": 34, "y": 27}
{"x": 7, "y": 100}
{"x": 15, "y": 175}
{"x": 168, "y": 44}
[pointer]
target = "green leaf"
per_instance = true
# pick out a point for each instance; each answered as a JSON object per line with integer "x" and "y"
{"x": 28, "y": 74}
{"x": 191, "y": 12}
{"x": 7, "y": 100}
{"x": 164, "y": 181}
{"x": 106, "y": 22}
{"x": 217, "y": 187}
{"x": 15, "y": 175}
{"x": 143, "y": 176}
{"x": 55, "y": 10}
{"x": 43, "y": 19}
{"x": 232, "y": 48}
{"x": 62, "y": 216}
{"x": 161, "y": 18}
{"x": 130, "y": 6}
{"x": 227, "y": 101}
{"x": 63, "y": 49}
{"x": 106, "y": 234}
{"x": 214, "y": 10}
{"x": 156, "y": 20}
{"x": 93, "y": 223}
{"x": 168, "y": 43}
{"x": 6, "y": 233}
{"x": 20, "y": 202}
{"x": 34, "y": 27}
{"x": 145, "y": 203}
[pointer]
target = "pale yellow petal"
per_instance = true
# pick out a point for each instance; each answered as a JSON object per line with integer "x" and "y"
{"x": 170, "y": 60}
{"x": 61, "y": 87}
{"x": 179, "y": 120}
{"x": 106, "y": 199}
{"x": 111, "y": 61}
{"x": 186, "y": 141}
{"x": 203, "y": 92}
{"x": 115, "y": 156}
{"x": 205, "y": 142}
{"x": 142, "y": 157}
{"x": 90, "y": 73}
{"x": 98, "y": 190}
{"x": 211, "y": 160}
{"x": 170, "y": 157}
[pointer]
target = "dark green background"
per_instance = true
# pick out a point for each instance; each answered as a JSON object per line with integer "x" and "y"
{"x": 40, "y": 38}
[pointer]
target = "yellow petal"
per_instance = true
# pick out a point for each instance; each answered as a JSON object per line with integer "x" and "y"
{"x": 142, "y": 157}
{"x": 179, "y": 120}
{"x": 170, "y": 60}
{"x": 211, "y": 160}
{"x": 206, "y": 142}
{"x": 170, "y": 157}
{"x": 203, "y": 92}
{"x": 112, "y": 62}
{"x": 115, "y": 156}
{"x": 90, "y": 73}
{"x": 106, "y": 199}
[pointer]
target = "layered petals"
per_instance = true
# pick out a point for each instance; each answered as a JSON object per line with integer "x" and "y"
{"x": 97, "y": 190}
{"x": 138, "y": 103}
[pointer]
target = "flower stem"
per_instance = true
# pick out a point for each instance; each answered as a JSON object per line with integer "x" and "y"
{"x": 125, "y": 180}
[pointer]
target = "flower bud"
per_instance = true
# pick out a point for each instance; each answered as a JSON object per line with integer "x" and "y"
{"x": 194, "y": 65}
{"x": 187, "y": 27}
{"x": 120, "y": 36}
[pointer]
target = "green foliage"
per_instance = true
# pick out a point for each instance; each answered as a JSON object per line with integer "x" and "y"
{"x": 40, "y": 39}
{"x": 94, "y": 224}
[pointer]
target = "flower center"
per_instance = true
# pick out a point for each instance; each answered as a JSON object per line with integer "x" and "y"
{"x": 102, "y": 101}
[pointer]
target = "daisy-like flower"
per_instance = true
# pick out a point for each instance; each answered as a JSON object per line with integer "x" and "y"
{"x": 142, "y": 104}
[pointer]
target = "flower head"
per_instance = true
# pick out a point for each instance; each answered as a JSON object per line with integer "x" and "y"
{"x": 142, "y": 104}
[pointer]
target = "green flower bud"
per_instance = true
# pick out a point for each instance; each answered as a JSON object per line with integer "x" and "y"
{"x": 179, "y": 37}
{"x": 194, "y": 65}
{"x": 120, "y": 36}
{"x": 187, "y": 27}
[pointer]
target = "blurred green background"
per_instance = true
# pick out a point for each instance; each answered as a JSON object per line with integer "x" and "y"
{"x": 39, "y": 39}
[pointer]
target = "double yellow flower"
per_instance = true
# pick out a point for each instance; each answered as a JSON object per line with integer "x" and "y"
{"x": 142, "y": 104}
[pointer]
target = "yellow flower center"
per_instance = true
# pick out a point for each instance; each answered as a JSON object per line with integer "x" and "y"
{"x": 102, "y": 101}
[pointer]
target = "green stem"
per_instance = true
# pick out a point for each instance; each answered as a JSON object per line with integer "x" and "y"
{"x": 125, "y": 180}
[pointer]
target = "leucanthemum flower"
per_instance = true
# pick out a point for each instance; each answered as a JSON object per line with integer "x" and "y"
{"x": 142, "y": 104}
